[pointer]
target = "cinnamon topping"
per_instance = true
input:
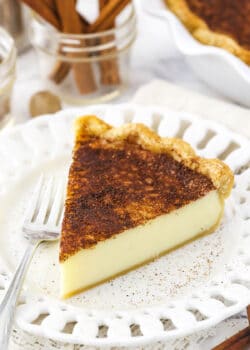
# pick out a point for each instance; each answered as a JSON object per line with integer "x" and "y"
{"x": 115, "y": 186}
{"x": 229, "y": 17}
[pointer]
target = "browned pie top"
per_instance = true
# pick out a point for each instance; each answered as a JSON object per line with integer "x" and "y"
{"x": 114, "y": 186}
{"x": 231, "y": 17}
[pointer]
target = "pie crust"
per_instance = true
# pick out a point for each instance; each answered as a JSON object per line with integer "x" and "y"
{"x": 219, "y": 173}
{"x": 201, "y": 31}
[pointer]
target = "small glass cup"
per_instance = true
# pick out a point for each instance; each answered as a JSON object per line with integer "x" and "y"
{"x": 86, "y": 68}
{"x": 7, "y": 75}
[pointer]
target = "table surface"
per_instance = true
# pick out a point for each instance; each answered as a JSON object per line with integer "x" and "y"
{"x": 153, "y": 57}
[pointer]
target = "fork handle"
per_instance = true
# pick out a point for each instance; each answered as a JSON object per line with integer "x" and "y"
{"x": 8, "y": 305}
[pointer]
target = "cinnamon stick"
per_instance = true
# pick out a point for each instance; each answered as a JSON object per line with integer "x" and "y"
{"x": 108, "y": 15}
{"x": 239, "y": 340}
{"x": 61, "y": 68}
{"x": 242, "y": 338}
{"x": 109, "y": 68}
{"x": 241, "y": 344}
{"x": 62, "y": 15}
{"x": 45, "y": 11}
{"x": 72, "y": 23}
{"x": 51, "y": 4}
{"x": 59, "y": 72}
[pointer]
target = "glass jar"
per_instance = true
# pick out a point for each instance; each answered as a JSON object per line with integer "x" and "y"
{"x": 7, "y": 75}
{"x": 85, "y": 68}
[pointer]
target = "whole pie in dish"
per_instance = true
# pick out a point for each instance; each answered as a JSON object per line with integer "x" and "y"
{"x": 222, "y": 23}
{"x": 133, "y": 196}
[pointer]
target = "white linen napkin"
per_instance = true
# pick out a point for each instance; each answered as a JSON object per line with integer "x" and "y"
{"x": 160, "y": 92}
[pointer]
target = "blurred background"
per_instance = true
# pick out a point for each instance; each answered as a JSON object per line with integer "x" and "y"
{"x": 153, "y": 55}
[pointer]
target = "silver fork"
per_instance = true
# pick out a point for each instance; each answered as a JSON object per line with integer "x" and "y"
{"x": 42, "y": 223}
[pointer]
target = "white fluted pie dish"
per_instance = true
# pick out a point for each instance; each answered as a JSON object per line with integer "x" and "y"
{"x": 218, "y": 68}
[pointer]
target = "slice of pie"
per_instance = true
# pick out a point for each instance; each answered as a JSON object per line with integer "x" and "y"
{"x": 222, "y": 23}
{"x": 133, "y": 196}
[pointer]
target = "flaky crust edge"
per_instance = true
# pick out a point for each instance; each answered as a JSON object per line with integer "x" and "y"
{"x": 200, "y": 30}
{"x": 219, "y": 173}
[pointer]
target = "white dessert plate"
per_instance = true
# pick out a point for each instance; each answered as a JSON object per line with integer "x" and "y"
{"x": 220, "y": 69}
{"x": 185, "y": 291}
